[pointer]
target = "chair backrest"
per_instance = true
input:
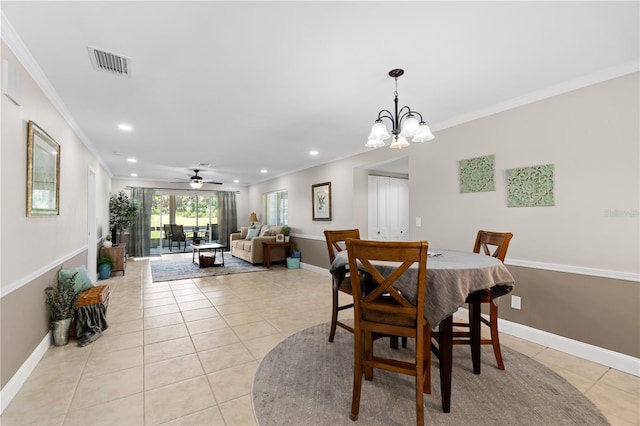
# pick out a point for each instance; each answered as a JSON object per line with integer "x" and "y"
{"x": 336, "y": 240}
{"x": 167, "y": 230}
{"x": 178, "y": 232}
{"x": 376, "y": 301}
{"x": 493, "y": 243}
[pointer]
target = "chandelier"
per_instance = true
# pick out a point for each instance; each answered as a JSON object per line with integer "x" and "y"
{"x": 404, "y": 124}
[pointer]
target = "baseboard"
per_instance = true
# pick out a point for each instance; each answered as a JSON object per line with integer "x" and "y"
{"x": 317, "y": 269}
{"x": 12, "y": 387}
{"x": 599, "y": 355}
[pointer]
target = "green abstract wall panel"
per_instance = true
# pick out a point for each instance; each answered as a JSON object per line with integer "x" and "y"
{"x": 477, "y": 174}
{"x": 530, "y": 186}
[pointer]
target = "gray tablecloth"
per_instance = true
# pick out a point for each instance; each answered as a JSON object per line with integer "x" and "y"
{"x": 451, "y": 277}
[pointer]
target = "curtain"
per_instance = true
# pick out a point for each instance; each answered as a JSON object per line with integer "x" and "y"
{"x": 227, "y": 216}
{"x": 140, "y": 240}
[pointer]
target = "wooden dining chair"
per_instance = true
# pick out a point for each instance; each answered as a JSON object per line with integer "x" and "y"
{"x": 335, "y": 244}
{"x": 492, "y": 244}
{"x": 384, "y": 311}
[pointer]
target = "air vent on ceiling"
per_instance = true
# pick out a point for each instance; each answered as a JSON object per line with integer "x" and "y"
{"x": 110, "y": 62}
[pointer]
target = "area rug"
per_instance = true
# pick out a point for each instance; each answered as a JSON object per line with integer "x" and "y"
{"x": 306, "y": 380}
{"x": 178, "y": 267}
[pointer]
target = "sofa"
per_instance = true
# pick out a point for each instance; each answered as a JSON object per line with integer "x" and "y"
{"x": 247, "y": 244}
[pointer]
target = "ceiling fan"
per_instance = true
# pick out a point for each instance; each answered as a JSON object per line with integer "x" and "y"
{"x": 196, "y": 181}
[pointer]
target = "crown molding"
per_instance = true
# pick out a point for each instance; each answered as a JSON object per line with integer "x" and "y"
{"x": 20, "y": 50}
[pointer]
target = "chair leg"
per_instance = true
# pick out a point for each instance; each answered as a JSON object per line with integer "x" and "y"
{"x": 368, "y": 354}
{"x": 334, "y": 316}
{"x": 357, "y": 376}
{"x": 426, "y": 347}
{"x": 420, "y": 382}
{"x": 495, "y": 340}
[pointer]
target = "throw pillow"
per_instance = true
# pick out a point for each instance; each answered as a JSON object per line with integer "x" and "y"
{"x": 83, "y": 282}
{"x": 265, "y": 231}
{"x": 243, "y": 232}
{"x": 251, "y": 234}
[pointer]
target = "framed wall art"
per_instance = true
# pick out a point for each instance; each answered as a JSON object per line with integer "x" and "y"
{"x": 321, "y": 198}
{"x": 43, "y": 173}
{"x": 530, "y": 186}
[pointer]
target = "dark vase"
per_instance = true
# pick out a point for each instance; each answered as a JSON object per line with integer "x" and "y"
{"x": 114, "y": 235}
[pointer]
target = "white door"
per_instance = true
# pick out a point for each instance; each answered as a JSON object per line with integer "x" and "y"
{"x": 92, "y": 239}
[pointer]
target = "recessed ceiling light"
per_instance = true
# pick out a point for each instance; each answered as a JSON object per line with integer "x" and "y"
{"x": 134, "y": 174}
{"x": 131, "y": 160}
{"x": 313, "y": 152}
{"x": 236, "y": 181}
{"x": 125, "y": 127}
{"x": 263, "y": 171}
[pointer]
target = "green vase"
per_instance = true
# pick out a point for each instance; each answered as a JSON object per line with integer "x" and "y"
{"x": 104, "y": 270}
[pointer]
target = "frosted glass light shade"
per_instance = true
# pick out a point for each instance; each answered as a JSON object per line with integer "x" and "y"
{"x": 379, "y": 131}
{"x": 374, "y": 143}
{"x": 399, "y": 142}
{"x": 409, "y": 126}
{"x": 196, "y": 184}
{"x": 424, "y": 134}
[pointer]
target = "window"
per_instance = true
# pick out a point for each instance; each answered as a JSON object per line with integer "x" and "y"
{"x": 187, "y": 210}
{"x": 275, "y": 208}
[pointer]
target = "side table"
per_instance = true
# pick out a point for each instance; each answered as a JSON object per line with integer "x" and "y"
{"x": 119, "y": 255}
{"x": 266, "y": 245}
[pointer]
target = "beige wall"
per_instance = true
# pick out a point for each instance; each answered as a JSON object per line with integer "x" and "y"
{"x": 592, "y": 137}
{"x": 32, "y": 249}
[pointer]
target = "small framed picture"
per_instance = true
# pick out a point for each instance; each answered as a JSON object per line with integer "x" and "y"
{"x": 280, "y": 238}
{"x": 321, "y": 201}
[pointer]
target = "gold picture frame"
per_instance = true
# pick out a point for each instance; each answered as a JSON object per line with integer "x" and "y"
{"x": 43, "y": 173}
{"x": 321, "y": 199}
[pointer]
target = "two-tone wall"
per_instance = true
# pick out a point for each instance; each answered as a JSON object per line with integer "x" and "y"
{"x": 32, "y": 249}
{"x": 576, "y": 263}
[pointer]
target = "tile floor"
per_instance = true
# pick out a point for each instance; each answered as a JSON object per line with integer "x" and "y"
{"x": 184, "y": 352}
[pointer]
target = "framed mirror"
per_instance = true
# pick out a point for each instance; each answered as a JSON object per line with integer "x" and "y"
{"x": 43, "y": 173}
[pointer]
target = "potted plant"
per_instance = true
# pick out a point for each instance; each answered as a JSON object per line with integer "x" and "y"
{"x": 286, "y": 231}
{"x": 105, "y": 264}
{"x": 60, "y": 300}
{"x": 122, "y": 213}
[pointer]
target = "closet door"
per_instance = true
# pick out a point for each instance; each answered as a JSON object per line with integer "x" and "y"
{"x": 378, "y": 227}
{"x": 398, "y": 209}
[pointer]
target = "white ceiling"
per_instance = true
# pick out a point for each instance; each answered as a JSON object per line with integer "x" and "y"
{"x": 249, "y": 85}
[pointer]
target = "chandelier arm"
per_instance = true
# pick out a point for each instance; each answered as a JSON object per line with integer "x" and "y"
{"x": 410, "y": 111}
{"x": 388, "y": 115}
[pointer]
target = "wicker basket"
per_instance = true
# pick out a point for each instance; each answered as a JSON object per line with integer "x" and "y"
{"x": 206, "y": 261}
{"x": 97, "y": 294}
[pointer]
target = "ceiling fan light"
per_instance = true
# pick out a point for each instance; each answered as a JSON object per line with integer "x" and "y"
{"x": 424, "y": 134}
{"x": 409, "y": 126}
{"x": 399, "y": 142}
{"x": 196, "y": 184}
{"x": 379, "y": 131}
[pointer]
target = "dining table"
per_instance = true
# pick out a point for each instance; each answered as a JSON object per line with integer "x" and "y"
{"x": 453, "y": 278}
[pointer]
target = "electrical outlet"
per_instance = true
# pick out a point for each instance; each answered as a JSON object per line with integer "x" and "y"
{"x": 515, "y": 302}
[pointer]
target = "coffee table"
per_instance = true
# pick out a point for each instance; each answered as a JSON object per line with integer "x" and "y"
{"x": 197, "y": 248}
